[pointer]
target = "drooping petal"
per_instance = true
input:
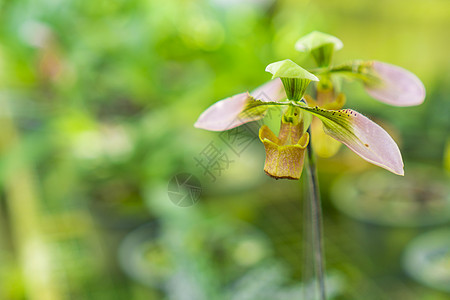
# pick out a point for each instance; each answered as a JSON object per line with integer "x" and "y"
{"x": 224, "y": 114}
{"x": 232, "y": 112}
{"x": 384, "y": 82}
{"x": 397, "y": 87}
{"x": 270, "y": 91}
{"x": 362, "y": 136}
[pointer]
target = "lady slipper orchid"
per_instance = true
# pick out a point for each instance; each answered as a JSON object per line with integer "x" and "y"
{"x": 317, "y": 122}
{"x": 285, "y": 153}
{"x": 385, "y": 82}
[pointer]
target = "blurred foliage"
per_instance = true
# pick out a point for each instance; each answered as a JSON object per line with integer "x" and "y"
{"x": 97, "y": 102}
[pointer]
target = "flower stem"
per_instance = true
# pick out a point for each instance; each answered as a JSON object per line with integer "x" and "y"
{"x": 315, "y": 212}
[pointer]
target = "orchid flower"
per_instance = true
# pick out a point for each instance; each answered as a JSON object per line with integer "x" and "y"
{"x": 385, "y": 82}
{"x": 318, "y": 119}
{"x": 285, "y": 152}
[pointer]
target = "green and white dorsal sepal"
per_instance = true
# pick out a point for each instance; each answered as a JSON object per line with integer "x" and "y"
{"x": 295, "y": 79}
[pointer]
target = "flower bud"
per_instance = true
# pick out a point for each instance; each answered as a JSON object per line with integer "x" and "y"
{"x": 320, "y": 45}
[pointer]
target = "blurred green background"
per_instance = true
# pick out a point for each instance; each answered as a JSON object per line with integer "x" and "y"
{"x": 97, "y": 105}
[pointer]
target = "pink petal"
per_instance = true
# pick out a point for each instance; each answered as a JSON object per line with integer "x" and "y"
{"x": 398, "y": 86}
{"x": 229, "y": 113}
{"x": 362, "y": 136}
{"x": 270, "y": 91}
{"x": 224, "y": 114}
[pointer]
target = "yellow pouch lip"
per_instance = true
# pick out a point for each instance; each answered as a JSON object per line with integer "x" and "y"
{"x": 283, "y": 161}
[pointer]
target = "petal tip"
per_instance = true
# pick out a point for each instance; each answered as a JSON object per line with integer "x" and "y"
{"x": 224, "y": 114}
{"x": 401, "y": 172}
{"x": 199, "y": 125}
{"x": 398, "y": 87}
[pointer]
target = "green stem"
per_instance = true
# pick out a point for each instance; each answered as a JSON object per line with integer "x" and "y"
{"x": 316, "y": 223}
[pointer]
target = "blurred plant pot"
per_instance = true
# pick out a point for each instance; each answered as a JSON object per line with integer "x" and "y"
{"x": 421, "y": 198}
{"x": 393, "y": 210}
{"x": 427, "y": 259}
{"x": 154, "y": 256}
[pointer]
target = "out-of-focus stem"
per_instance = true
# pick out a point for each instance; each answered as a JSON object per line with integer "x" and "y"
{"x": 316, "y": 223}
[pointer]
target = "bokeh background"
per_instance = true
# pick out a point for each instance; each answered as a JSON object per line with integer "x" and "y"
{"x": 97, "y": 105}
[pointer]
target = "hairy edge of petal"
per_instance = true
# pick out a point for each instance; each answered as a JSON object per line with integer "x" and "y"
{"x": 397, "y": 86}
{"x": 362, "y": 136}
